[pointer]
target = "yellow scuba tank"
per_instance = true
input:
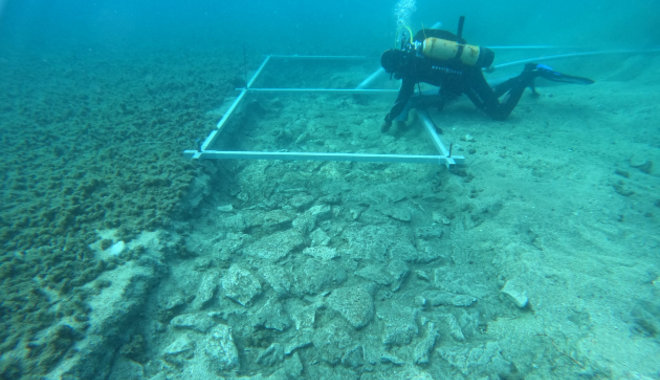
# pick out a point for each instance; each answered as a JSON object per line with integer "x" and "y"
{"x": 445, "y": 50}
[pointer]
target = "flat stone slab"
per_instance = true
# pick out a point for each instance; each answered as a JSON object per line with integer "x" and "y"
{"x": 516, "y": 292}
{"x": 221, "y": 350}
{"x": 321, "y": 252}
{"x": 240, "y": 285}
{"x": 193, "y": 321}
{"x": 438, "y": 298}
{"x": 275, "y": 246}
{"x": 354, "y": 303}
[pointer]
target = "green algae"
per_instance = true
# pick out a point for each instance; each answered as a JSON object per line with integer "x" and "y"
{"x": 76, "y": 165}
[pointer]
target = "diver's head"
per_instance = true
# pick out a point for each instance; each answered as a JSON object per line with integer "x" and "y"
{"x": 394, "y": 62}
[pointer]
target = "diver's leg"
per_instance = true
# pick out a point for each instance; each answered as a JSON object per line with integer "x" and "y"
{"x": 528, "y": 74}
{"x": 511, "y": 91}
{"x": 481, "y": 94}
{"x": 501, "y": 88}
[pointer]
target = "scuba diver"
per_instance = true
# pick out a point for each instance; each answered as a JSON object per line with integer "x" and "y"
{"x": 443, "y": 59}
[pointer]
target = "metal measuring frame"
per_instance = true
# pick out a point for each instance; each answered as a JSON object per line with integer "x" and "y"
{"x": 205, "y": 151}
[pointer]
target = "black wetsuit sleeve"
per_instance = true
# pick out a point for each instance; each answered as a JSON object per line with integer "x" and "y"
{"x": 405, "y": 92}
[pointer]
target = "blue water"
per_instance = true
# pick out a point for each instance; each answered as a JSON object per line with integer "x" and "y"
{"x": 300, "y": 27}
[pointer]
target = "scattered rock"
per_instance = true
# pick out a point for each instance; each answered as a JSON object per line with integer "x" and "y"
{"x": 467, "y": 138}
{"x": 390, "y": 358}
{"x": 353, "y": 303}
{"x": 234, "y": 223}
{"x": 304, "y": 223}
{"x": 277, "y": 277}
{"x": 226, "y": 208}
{"x": 374, "y": 273}
{"x": 515, "y": 291}
{"x": 622, "y": 173}
{"x": 622, "y": 189}
{"x": 320, "y": 212}
{"x": 315, "y": 275}
{"x": 221, "y": 350}
{"x": 256, "y": 219}
{"x": 272, "y": 355}
{"x": 454, "y": 328}
{"x": 421, "y": 301}
{"x": 641, "y": 163}
{"x": 321, "y": 252}
{"x": 172, "y": 305}
{"x": 135, "y": 349}
{"x": 399, "y": 270}
{"x": 440, "y": 218}
{"x": 303, "y": 315}
{"x": 307, "y": 221}
{"x": 406, "y": 251}
{"x": 232, "y": 243}
{"x": 408, "y": 372}
{"x": 206, "y": 290}
{"x": 179, "y": 351}
{"x": 240, "y": 285}
{"x": 422, "y": 275}
{"x": 482, "y": 361}
{"x": 300, "y": 201}
{"x": 293, "y": 367}
{"x": 194, "y": 321}
{"x": 112, "y": 316}
{"x": 439, "y": 298}
{"x": 354, "y": 357}
{"x": 332, "y": 341}
{"x": 276, "y": 246}
{"x": 397, "y": 212}
{"x": 117, "y": 248}
{"x": 198, "y": 190}
{"x": 301, "y": 340}
{"x": 432, "y": 250}
{"x": 319, "y": 237}
{"x": 424, "y": 348}
{"x": 399, "y": 325}
{"x": 429, "y": 232}
{"x": 370, "y": 242}
{"x": 276, "y": 220}
{"x": 125, "y": 369}
{"x": 272, "y": 316}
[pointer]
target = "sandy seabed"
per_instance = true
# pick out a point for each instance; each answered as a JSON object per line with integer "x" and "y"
{"x": 537, "y": 259}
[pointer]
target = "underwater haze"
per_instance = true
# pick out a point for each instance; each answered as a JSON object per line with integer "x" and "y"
{"x": 297, "y": 26}
{"x": 536, "y": 256}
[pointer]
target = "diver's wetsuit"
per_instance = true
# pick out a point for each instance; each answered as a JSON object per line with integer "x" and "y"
{"x": 455, "y": 78}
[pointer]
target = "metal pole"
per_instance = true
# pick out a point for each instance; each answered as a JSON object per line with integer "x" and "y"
{"x": 340, "y": 90}
{"x": 430, "y": 129}
{"x": 259, "y": 70}
{"x": 577, "y": 54}
{"x": 318, "y": 56}
{"x": 211, "y": 137}
{"x": 530, "y": 47}
{"x": 319, "y": 156}
{"x": 371, "y": 78}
